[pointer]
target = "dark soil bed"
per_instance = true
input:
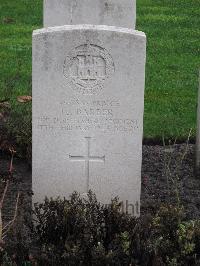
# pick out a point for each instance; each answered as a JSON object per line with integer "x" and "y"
{"x": 163, "y": 173}
{"x": 168, "y": 177}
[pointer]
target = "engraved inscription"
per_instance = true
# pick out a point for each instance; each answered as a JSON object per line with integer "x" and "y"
{"x": 84, "y": 123}
{"x": 101, "y": 115}
{"x": 94, "y": 103}
{"x": 87, "y": 159}
{"x": 84, "y": 115}
{"x": 87, "y": 67}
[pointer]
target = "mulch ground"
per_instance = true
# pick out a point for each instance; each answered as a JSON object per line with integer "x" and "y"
{"x": 168, "y": 177}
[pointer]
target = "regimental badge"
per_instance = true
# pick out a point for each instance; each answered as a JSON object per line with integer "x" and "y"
{"x": 87, "y": 67}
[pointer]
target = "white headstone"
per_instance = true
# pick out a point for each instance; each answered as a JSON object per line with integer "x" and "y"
{"x": 198, "y": 135}
{"x": 121, "y": 13}
{"x": 88, "y": 96}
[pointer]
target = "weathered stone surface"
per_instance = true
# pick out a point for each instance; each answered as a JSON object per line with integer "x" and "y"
{"x": 198, "y": 136}
{"x": 98, "y": 12}
{"x": 88, "y": 96}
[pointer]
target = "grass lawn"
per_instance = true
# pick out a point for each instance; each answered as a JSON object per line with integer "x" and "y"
{"x": 173, "y": 58}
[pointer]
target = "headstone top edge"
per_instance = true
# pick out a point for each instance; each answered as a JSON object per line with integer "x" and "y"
{"x": 88, "y": 27}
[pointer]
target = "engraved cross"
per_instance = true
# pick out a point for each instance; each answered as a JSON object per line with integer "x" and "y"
{"x": 87, "y": 159}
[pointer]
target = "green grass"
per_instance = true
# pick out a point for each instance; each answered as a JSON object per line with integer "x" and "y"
{"x": 173, "y": 58}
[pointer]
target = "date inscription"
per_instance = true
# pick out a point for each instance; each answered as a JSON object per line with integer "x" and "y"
{"x": 78, "y": 115}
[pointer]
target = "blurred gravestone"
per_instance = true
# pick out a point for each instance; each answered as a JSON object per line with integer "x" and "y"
{"x": 198, "y": 135}
{"x": 96, "y": 12}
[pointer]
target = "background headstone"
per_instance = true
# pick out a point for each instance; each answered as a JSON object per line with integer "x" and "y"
{"x": 121, "y": 13}
{"x": 88, "y": 97}
{"x": 198, "y": 135}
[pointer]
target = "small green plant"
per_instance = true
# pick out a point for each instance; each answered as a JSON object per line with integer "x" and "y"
{"x": 173, "y": 238}
{"x": 83, "y": 232}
